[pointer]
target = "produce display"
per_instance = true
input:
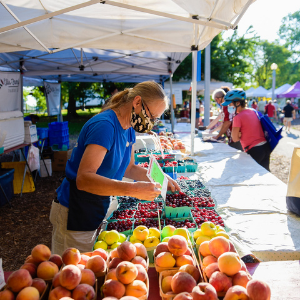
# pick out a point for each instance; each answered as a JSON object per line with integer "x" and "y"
{"x": 109, "y": 240}
{"x": 178, "y": 200}
{"x": 150, "y": 237}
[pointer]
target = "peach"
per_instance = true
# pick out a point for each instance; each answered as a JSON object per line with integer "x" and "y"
{"x": 220, "y": 281}
{"x": 114, "y": 253}
{"x": 243, "y": 268}
{"x": 55, "y": 280}
{"x": 88, "y": 254}
{"x": 182, "y": 282}
{"x": 207, "y": 260}
{"x": 204, "y": 291}
{"x": 58, "y": 293}
{"x": 192, "y": 270}
{"x": 218, "y": 246}
{"x": 138, "y": 260}
{"x": 142, "y": 273}
{"x": 177, "y": 245}
{"x": 211, "y": 269}
{"x": 66, "y": 298}
{"x": 28, "y": 293}
{"x": 88, "y": 277}
{"x": 111, "y": 274}
{"x": 40, "y": 253}
{"x": 184, "y": 260}
{"x": 111, "y": 298}
{"x": 113, "y": 288}
{"x": 29, "y": 259}
{"x": 100, "y": 252}
{"x": 55, "y": 258}
{"x": 39, "y": 284}
{"x": 70, "y": 277}
{"x": 126, "y": 298}
{"x": 204, "y": 249}
{"x": 71, "y": 256}
{"x": 83, "y": 292}
{"x": 31, "y": 268}
{"x": 258, "y": 290}
{"x": 83, "y": 259}
{"x": 136, "y": 288}
{"x": 7, "y": 295}
{"x": 114, "y": 262}
{"x": 188, "y": 252}
{"x": 183, "y": 296}
{"x": 47, "y": 270}
{"x": 229, "y": 263}
{"x": 140, "y": 250}
{"x": 126, "y": 272}
{"x": 162, "y": 247}
{"x": 241, "y": 278}
{"x": 97, "y": 264}
{"x": 80, "y": 267}
{"x": 165, "y": 260}
{"x": 232, "y": 248}
{"x": 19, "y": 280}
{"x": 236, "y": 293}
{"x": 166, "y": 284}
{"x": 126, "y": 251}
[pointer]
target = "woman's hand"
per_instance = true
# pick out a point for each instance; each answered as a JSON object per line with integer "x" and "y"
{"x": 172, "y": 184}
{"x": 146, "y": 190}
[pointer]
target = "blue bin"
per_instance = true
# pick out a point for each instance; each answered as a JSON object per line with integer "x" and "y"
{"x": 42, "y": 132}
{"x": 58, "y": 126}
{"x": 58, "y": 133}
{"x": 59, "y": 140}
{"x": 6, "y": 181}
{"x": 172, "y": 175}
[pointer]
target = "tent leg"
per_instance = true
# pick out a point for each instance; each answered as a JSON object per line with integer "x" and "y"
{"x": 21, "y": 93}
{"x": 171, "y": 100}
{"x": 207, "y": 86}
{"x": 194, "y": 99}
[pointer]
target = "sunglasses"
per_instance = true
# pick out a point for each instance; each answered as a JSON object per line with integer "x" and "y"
{"x": 152, "y": 119}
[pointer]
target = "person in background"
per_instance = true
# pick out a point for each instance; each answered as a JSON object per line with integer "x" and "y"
{"x": 261, "y": 106}
{"x": 249, "y": 104}
{"x": 289, "y": 115}
{"x": 254, "y": 105}
{"x": 197, "y": 113}
{"x": 270, "y": 110}
{"x": 33, "y": 118}
{"x": 247, "y": 128}
{"x": 275, "y": 104}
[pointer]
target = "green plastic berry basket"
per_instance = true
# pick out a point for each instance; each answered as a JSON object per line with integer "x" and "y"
{"x": 170, "y": 169}
{"x": 191, "y": 167}
{"x": 142, "y": 158}
{"x": 110, "y": 218}
{"x": 126, "y": 232}
{"x": 181, "y": 169}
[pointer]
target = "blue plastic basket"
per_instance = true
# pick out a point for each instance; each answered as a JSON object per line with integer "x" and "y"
{"x": 57, "y": 133}
{"x": 59, "y": 140}
{"x": 42, "y": 132}
{"x": 59, "y": 146}
{"x": 58, "y": 125}
{"x": 6, "y": 180}
{"x": 172, "y": 175}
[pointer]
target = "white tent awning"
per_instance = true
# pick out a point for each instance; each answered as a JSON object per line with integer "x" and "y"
{"x": 259, "y": 92}
{"x": 279, "y": 90}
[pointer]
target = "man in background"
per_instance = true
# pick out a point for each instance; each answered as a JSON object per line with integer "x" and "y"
{"x": 270, "y": 110}
{"x": 289, "y": 115}
{"x": 261, "y": 106}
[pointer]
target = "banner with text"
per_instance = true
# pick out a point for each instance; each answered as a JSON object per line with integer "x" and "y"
{"x": 10, "y": 91}
{"x": 52, "y": 91}
{"x": 177, "y": 93}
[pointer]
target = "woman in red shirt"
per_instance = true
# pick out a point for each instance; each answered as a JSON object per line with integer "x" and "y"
{"x": 247, "y": 128}
{"x": 254, "y": 105}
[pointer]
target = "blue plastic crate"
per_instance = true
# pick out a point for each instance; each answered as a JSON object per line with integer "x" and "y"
{"x": 42, "y": 132}
{"x": 59, "y": 139}
{"x": 58, "y": 125}
{"x": 6, "y": 181}
{"x": 172, "y": 175}
{"x": 57, "y": 133}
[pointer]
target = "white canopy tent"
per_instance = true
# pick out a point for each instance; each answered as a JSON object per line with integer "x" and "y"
{"x": 176, "y": 25}
{"x": 259, "y": 92}
{"x": 249, "y": 92}
{"x": 279, "y": 90}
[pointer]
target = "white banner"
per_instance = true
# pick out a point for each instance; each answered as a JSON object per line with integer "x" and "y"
{"x": 10, "y": 89}
{"x": 177, "y": 93}
{"x": 52, "y": 91}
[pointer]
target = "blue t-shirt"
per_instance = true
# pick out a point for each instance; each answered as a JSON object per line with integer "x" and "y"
{"x": 105, "y": 130}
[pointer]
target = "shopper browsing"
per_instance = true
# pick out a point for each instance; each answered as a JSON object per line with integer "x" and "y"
{"x": 270, "y": 110}
{"x": 261, "y": 106}
{"x": 247, "y": 128}
{"x": 103, "y": 155}
{"x": 289, "y": 115}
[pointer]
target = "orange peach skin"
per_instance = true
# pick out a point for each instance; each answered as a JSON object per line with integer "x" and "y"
{"x": 236, "y": 293}
{"x": 184, "y": 260}
{"x": 138, "y": 260}
{"x": 71, "y": 256}
{"x": 40, "y": 253}
{"x": 192, "y": 270}
{"x": 258, "y": 289}
{"x": 209, "y": 260}
{"x": 100, "y": 252}
{"x": 241, "y": 278}
{"x": 177, "y": 245}
{"x": 204, "y": 249}
{"x": 114, "y": 253}
{"x": 204, "y": 291}
{"x": 136, "y": 288}
{"x": 88, "y": 277}
{"x": 161, "y": 247}
{"x": 39, "y": 284}
{"x": 229, "y": 263}
{"x": 210, "y": 269}
{"x": 126, "y": 251}
{"x": 113, "y": 288}
{"x": 218, "y": 246}
{"x": 19, "y": 280}
{"x": 111, "y": 274}
{"x": 28, "y": 293}
{"x": 31, "y": 268}
{"x": 166, "y": 284}
{"x": 83, "y": 292}
{"x": 55, "y": 280}
{"x": 7, "y": 295}
{"x": 183, "y": 282}
{"x": 142, "y": 273}
{"x": 58, "y": 293}
{"x": 47, "y": 270}
{"x": 97, "y": 264}
{"x": 126, "y": 272}
{"x": 55, "y": 258}
{"x": 165, "y": 260}
{"x": 141, "y": 250}
{"x": 183, "y": 296}
{"x": 70, "y": 277}
{"x": 220, "y": 282}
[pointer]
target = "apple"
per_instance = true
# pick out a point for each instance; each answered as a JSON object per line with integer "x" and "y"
{"x": 151, "y": 241}
{"x": 122, "y": 238}
{"x": 133, "y": 240}
{"x": 202, "y": 238}
{"x": 111, "y": 237}
{"x": 141, "y": 233}
{"x": 115, "y": 245}
{"x": 222, "y": 233}
{"x": 208, "y": 228}
{"x": 168, "y": 231}
{"x": 197, "y": 233}
{"x": 154, "y": 232}
{"x": 101, "y": 235}
{"x": 183, "y": 232}
{"x": 100, "y": 244}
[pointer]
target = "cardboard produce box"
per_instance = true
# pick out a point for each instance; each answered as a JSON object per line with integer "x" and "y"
{"x": 60, "y": 159}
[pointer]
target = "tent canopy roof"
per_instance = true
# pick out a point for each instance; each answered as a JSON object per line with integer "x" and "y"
{"x": 150, "y": 25}
{"x": 250, "y": 91}
{"x": 279, "y": 90}
{"x": 292, "y": 92}
{"x": 259, "y": 92}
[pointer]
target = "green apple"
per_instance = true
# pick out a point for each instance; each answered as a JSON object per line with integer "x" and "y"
{"x": 141, "y": 233}
{"x": 133, "y": 240}
{"x": 197, "y": 233}
{"x": 100, "y": 244}
{"x": 168, "y": 231}
{"x": 151, "y": 241}
{"x": 154, "y": 232}
{"x": 208, "y": 228}
{"x": 101, "y": 235}
{"x": 122, "y": 237}
{"x": 115, "y": 245}
{"x": 111, "y": 237}
{"x": 202, "y": 238}
{"x": 183, "y": 232}
{"x": 166, "y": 239}
{"x": 220, "y": 228}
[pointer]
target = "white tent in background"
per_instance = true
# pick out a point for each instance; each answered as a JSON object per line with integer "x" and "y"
{"x": 259, "y": 92}
{"x": 249, "y": 92}
{"x": 279, "y": 90}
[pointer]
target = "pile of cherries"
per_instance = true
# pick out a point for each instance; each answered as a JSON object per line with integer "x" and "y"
{"x": 148, "y": 223}
{"x": 203, "y": 202}
{"x": 171, "y": 164}
{"x": 144, "y": 165}
{"x": 123, "y": 214}
{"x": 187, "y": 223}
{"x": 120, "y": 226}
{"x": 179, "y": 200}
{"x": 204, "y": 215}
{"x": 147, "y": 214}
{"x": 182, "y": 178}
{"x": 149, "y": 205}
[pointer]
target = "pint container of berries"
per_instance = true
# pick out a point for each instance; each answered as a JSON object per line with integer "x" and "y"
{"x": 178, "y": 205}
{"x": 202, "y": 215}
{"x": 121, "y": 215}
{"x": 169, "y": 157}
{"x": 149, "y": 206}
{"x": 191, "y": 167}
{"x": 181, "y": 166}
{"x": 152, "y": 222}
{"x": 170, "y": 167}
{"x": 187, "y": 222}
{"x": 122, "y": 226}
{"x": 143, "y": 158}
{"x": 201, "y": 202}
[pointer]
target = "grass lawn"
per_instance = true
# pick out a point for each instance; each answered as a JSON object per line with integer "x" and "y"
{"x": 75, "y": 125}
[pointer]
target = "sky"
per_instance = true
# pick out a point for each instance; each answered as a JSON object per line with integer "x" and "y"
{"x": 266, "y": 16}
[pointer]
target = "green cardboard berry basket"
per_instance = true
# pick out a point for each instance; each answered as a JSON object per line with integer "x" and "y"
{"x": 177, "y": 212}
{"x": 191, "y": 167}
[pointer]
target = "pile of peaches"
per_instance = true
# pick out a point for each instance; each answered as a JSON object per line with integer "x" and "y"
{"x": 171, "y": 144}
{"x": 127, "y": 273}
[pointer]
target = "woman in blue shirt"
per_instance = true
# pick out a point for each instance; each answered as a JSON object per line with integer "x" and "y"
{"x": 102, "y": 156}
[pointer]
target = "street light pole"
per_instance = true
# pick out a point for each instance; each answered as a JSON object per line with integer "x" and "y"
{"x": 273, "y": 68}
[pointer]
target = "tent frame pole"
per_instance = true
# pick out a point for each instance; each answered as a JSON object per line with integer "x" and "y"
{"x": 241, "y": 14}
{"x": 207, "y": 86}
{"x": 171, "y": 100}
{"x": 194, "y": 99}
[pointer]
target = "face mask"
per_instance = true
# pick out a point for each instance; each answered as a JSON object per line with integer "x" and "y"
{"x": 231, "y": 109}
{"x": 141, "y": 123}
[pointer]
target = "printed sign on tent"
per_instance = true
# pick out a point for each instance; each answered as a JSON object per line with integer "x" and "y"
{"x": 52, "y": 91}
{"x": 177, "y": 93}
{"x": 10, "y": 91}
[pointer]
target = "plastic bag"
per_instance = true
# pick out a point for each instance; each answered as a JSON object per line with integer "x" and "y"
{"x": 34, "y": 158}
{"x": 2, "y": 281}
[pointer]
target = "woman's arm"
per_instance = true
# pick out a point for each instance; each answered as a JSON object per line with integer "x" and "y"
{"x": 87, "y": 179}
{"x": 214, "y": 122}
{"x": 140, "y": 174}
{"x": 236, "y": 134}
